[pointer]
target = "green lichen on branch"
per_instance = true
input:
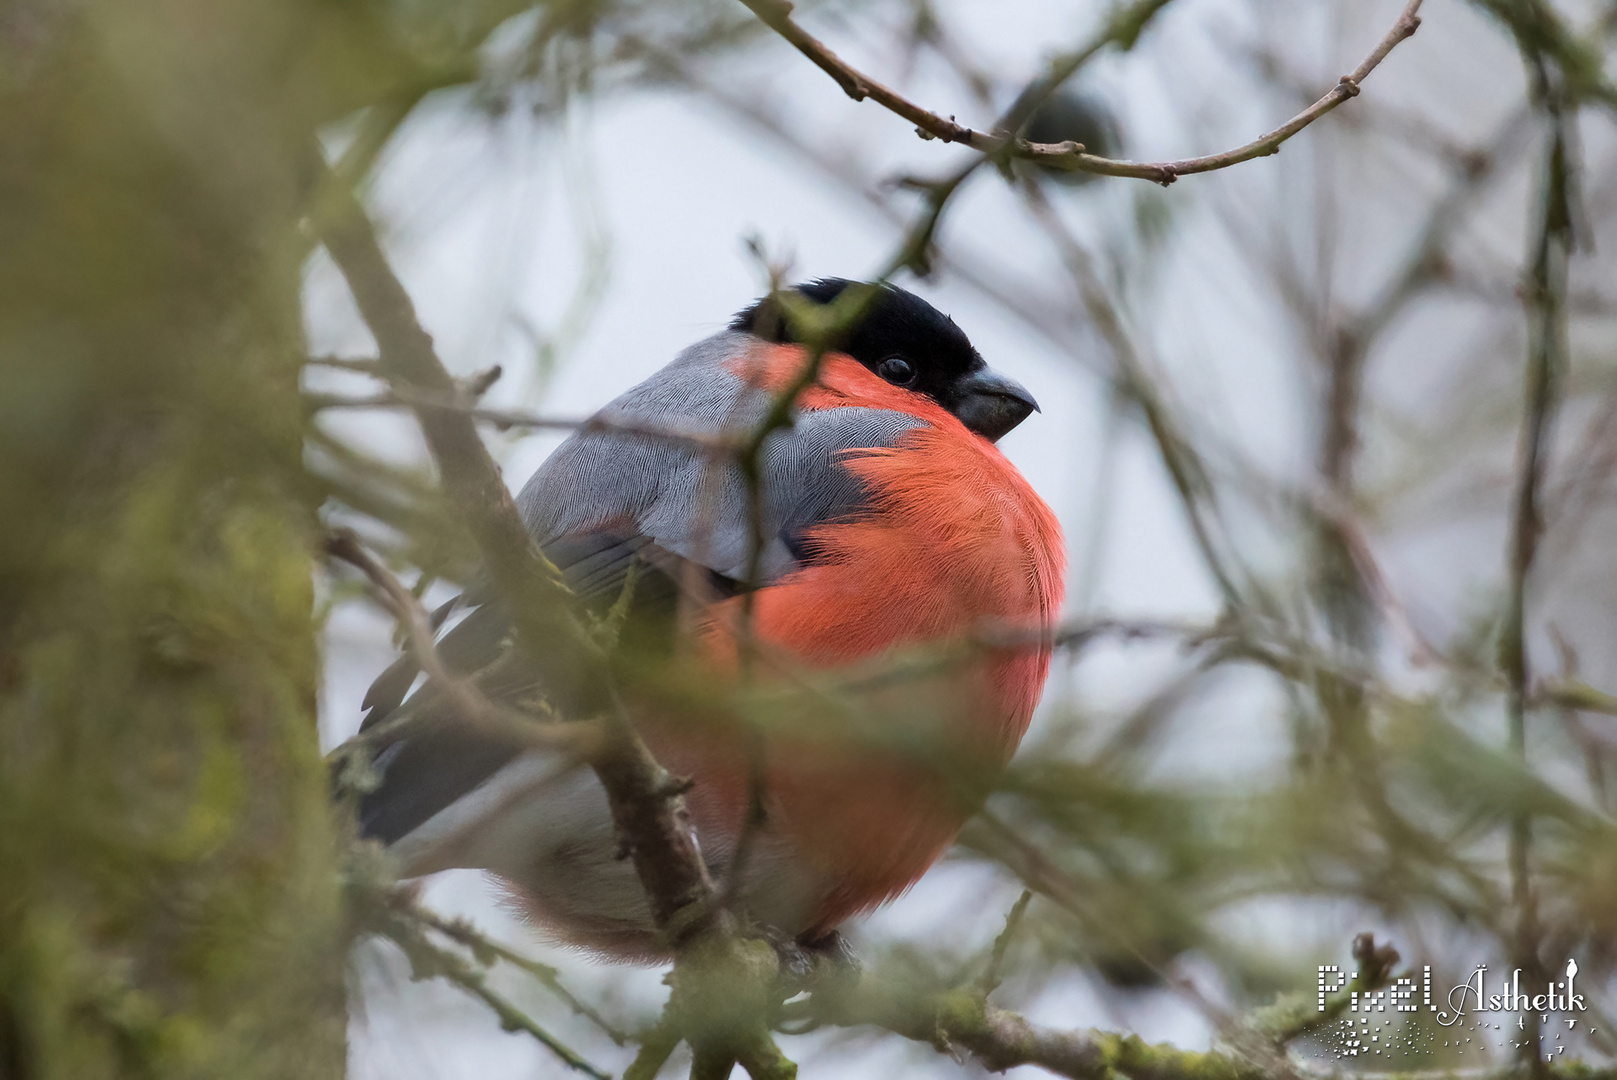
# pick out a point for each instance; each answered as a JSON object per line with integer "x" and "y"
{"x": 962, "y": 1020}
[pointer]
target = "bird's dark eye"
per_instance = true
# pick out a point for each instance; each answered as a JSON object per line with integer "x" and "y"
{"x": 896, "y": 370}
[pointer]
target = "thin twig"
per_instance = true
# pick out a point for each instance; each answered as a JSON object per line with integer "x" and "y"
{"x": 707, "y": 443}
{"x": 362, "y": 365}
{"x": 646, "y": 801}
{"x": 483, "y": 946}
{"x": 1122, "y": 28}
{"x": 996, "y": 960}
{"x": 1577, "y": 696}
{"x": 429, "y": 960}
{"x": 1179, "y": 456}
{"x": 822, "y": 327}
{"x": 656, "y": 1047}
{"x": 1546, "y": 363}
{"x": 961, "y": 1020}
{"x": 1079, "y": 633}
{"x": 777, "y": 15}
{"x": 470, "y": 703}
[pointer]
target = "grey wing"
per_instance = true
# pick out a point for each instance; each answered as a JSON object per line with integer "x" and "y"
{"x": 626, "y": 494}
{"x": 633, "y": 472}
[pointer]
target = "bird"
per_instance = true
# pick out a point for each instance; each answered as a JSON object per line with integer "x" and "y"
{"x": 886, "y": 523}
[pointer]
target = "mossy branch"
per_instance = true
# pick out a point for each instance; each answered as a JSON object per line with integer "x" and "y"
{"x": 1122, "y": 29}
{"x": 722, "y": 981}
{"x": 962, "y": 1020}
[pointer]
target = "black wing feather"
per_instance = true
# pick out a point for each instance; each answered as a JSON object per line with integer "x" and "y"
{"x": 430, "y": 763}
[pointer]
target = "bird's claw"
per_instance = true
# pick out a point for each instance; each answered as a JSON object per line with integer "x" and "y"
{"x": 814, "y": 965}
{"x": 796, "y": 963}
{"x": 835, "y": 960}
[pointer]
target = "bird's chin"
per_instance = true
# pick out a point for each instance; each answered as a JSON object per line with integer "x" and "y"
{"x": 993, "y": 416}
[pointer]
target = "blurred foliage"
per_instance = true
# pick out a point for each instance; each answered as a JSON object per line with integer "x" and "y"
{"x": 169, "y": 871}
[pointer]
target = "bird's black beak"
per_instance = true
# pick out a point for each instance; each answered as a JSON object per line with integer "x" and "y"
{"x": 992, "y": 404}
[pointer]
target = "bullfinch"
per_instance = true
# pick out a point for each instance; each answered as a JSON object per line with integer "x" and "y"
{"x": 884, "y": 523}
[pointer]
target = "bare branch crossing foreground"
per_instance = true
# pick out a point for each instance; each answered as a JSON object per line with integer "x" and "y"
{"x": 713, "y": 962}
{"x": 1122, "y": 29}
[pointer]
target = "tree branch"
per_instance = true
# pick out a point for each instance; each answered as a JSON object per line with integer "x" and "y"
{"x": 1122, "y": 28}
{"x": 646, "y": 801}
{"x": 961, "y": 1019}
{"x": 487, "y": 950}
{"x": 520, "y": 418}
{"x": 1191, "y": 478}
{"x": 777, "y": 15}
{"x": 430, "y": 960}
{"x": 956, "y": 1020}
{"x": 470, "y": 702}
{"x": 1546, "y": 364}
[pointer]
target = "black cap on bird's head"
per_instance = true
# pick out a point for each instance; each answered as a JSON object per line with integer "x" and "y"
{"x": 912, "y": 344}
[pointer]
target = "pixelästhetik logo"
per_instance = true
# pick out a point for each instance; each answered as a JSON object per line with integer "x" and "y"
{"x": 1478, "y": 1005}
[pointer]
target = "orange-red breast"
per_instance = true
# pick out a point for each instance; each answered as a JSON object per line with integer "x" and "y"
{"x": 892, "y": 526}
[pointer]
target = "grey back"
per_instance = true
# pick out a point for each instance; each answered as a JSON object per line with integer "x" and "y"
{"x": 687, "y": 499}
